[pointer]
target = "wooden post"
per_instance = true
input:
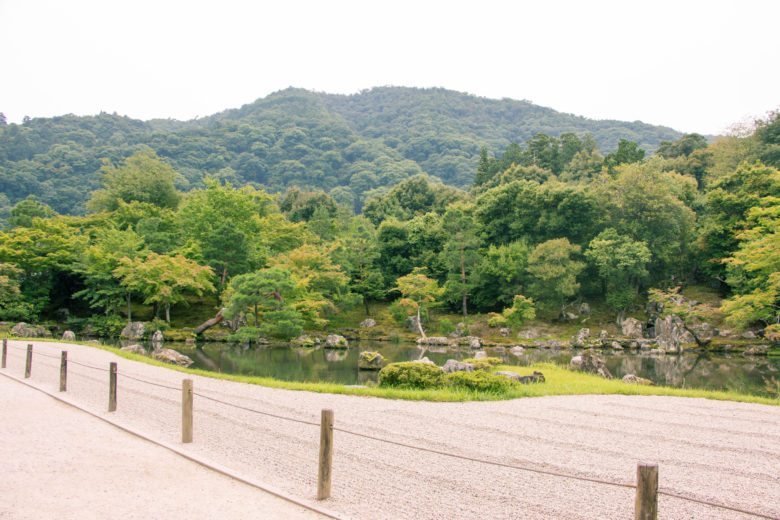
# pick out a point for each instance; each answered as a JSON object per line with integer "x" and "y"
{"x": 28, "y": 364}
{"x": 5, "y": 351}
{"x": 112, "y": 387}
{"x": 326, "y": 455}
{"x": 186, "y": 410}
{"x": 646, "y": 504}
{"x": 64, "y": 371}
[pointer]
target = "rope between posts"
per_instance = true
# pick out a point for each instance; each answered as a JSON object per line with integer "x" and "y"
{"x": 713, "y": 504}
{"x": 87, "y": 366}
{"x": 123, "y": 374}
{"x": 37, "y": 353}
{"x": 310, "y": 423}
{"x": 484, "y": 461}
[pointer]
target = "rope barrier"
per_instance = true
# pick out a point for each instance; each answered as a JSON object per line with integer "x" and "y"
{"x": 484, "y": 461}
{"x": 125, "y": 375}
{"x": 310, "y": 423}
{"x": 37, "y": 353}
{"x": 672, "y": 494}
{"x": 87, "y": 366}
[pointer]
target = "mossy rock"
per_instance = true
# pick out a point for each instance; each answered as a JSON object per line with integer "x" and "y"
{"x": 178, "y": 334}
{"x": 371, "y": 361}
{"x": 484, "y": 364}
{"x": 480, "y": 381}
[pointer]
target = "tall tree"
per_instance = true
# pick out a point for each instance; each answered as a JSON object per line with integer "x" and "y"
{"x": 553, "y": 269}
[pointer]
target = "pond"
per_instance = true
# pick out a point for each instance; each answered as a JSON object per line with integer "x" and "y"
{"x": 690, "y": 370}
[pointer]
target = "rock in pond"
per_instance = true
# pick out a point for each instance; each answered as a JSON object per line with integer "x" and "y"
{"x": 304, "y": 340}
{"x": 671, "y": 335}
{"x": 517, "y": 350}
{"x": 453, "y": 365}
{"x": 133, "y": 330}
{"x": 157, "y": 338}
{"x": 134, "y": 349}
{"x": 435, "y": 341}
{"x": 169, "y": 355}
{"x": 589, "y": 361}
{"x": 581, "y": 339}
{"x": 371, "y": 361}
{"x": 475, "y": 342}
{"x": 368, "y": 323}
{"x": 68, "y": 335}
{"x": 25, "y": 330}
{"x": 634, "y": 379}
{"x": 632, "y": 328}
{"x": 336, "y": 341}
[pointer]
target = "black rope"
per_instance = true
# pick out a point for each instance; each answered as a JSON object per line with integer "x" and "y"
{"x": 713, "y": 504}
{"x": 123, "y": 374}
{"x": 257, "y": 411}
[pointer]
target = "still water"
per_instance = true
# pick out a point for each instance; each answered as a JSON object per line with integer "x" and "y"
{"x": 692, "y": 370}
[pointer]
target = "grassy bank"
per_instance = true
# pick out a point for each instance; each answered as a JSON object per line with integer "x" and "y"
{"x": 560, "y": 381}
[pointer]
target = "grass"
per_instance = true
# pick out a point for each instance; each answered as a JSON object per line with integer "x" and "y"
{"x": 560, "y": 381}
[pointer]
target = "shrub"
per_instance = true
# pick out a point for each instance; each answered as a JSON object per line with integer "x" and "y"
{"x": 496, "y": 320}
{"x": 411, "y": 375}
{"x": 103, "y": 326}
{"x": 522, "y": 310}
{"x": 446, "y": 326}
{"x": 479, "y": 381}
{"x": 484, "y": 364}
{"x": 402, "y": 309}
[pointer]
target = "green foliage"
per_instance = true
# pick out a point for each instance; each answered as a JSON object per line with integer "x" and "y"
{"x": 500, "y": 274}
{"x": 496, "y": 320}
{"x": 24, "y": 211}
{"x": 480, "y": 381}
{"x": 264, "y": 290}
{"x": 627, "y": 152}
{"x": 522, "y": 310}
{"x": 143, "y": 177}
{"x": 100, "y": 326}
{"x": 485, "y": 364}
{"x": 411, "y": 375}
{"x": 621, "y": 264}
{"x": 554, "y": 270}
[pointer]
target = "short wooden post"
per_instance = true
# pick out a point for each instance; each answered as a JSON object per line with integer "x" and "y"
{"x": 646, "y": 505}
{"x": 28, "y": 363}
{"x": 186, "y": 410}
{"x": 64, "y": 371}
{"x": 5, "y": 351}
{"x": 326, "y": 455}
{"x": 112, "y": 387}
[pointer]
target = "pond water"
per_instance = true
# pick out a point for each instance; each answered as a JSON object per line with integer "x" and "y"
{"x": 691, "y": 370}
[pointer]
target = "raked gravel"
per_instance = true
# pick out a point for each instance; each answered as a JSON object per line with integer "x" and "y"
{"x": 717, "y": 451}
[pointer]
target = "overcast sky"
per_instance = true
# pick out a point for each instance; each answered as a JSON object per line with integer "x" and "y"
{"x": 694, "y": 66}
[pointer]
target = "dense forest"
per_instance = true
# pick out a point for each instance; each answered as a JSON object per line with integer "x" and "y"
{"x": 349, "y": 146}
{"x": 537, "y": 225}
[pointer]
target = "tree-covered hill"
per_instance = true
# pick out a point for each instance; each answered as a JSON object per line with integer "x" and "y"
{"x": 346, "y": 145}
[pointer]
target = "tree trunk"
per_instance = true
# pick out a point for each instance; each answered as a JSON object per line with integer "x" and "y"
{"x": 209, "y": 323}
{"x": 419, "y": 324}
{"x": 129, "y": 310}
{"x": 620, "y": 318}
{"x": 463, "y": 282}
{"x": 168, "y": 312}
{"x": 224, "y": 276}
{"x": 365, "y": 304}
{"x": 256, "y": 315}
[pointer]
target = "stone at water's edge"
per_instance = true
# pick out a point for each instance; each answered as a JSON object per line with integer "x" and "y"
{"x": 634, "y": 379}
{"x": 304, "y": 340}
{"x": 632, "y": 328}
{"x": 480, "y": 355}
{"x": 25, "y": 330}
{"x": 134, "y": 330}
{"x": 368, "y": 323}
{"x": 371, "y": 361}
{"x": 756, "y": 350}
{"x": 135, "y": 349}
{"x": 336, "y": 341}
{"x": 504, "y": 331}
{"x": 425, "y": 361}
{"x": 453, "y": 365}
{"x": 475, "y": 342}
{"x": 670, "y": 334}
{"x": 68, "y": 335}
{"x": 517, "y": 350}
{"x": 589, "y": 361}
{"x": 157, "y": 337}
{"x": 581, "y": 339}
{"x": 434, "y": 341}
{"x": 168, "y": 355}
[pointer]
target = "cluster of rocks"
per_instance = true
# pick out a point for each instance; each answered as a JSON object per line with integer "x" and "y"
{"x": 454, "y": 365}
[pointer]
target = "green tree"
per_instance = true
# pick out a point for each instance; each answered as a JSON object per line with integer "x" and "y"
{"x": 627, "y": 152}
{"x": 621, "y": 264}
{"x": 24, "y": 211}
{"x": 522, "y": 310}
{"x": 460, "y": 252}
{"x": 500, "y": 275}
{"x": 358, "y": 253}
{"x": 164, "y": 280}
{"x": 142, "y": 177}
{"x": 553, "y": 270}
{"x": 422, "y": 291}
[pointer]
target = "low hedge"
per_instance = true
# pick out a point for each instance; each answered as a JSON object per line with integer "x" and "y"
{"x": 411, "y": 374}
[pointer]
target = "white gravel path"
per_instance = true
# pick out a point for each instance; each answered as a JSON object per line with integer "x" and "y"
{"x": 711, "y": 450}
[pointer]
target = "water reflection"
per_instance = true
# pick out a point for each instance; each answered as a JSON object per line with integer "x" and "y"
{"x": 692, "y": 370}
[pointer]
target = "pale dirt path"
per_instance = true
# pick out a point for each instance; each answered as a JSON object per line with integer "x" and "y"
{"x": 58, "y": 462}
{"x": 711, "y": 450}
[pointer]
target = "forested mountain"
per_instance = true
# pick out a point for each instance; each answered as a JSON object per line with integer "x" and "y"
{"x": 345, "y": 145}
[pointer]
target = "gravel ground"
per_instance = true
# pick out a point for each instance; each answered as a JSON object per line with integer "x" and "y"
{"x": 709, "y": 450}
{"x": 61, "y": 463}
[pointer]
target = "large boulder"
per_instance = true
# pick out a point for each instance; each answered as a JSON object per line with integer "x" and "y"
{"x": 589, "y": 361}
{"x": 68, "y": 335}
{"x": 584, "y": 309}
{"x": 475, "y": 343}
{"x": 134, "y": 349}
{"x": 756, "y": 350}
{"x": 304, "y": 340}
{"x": 528, "y": 334}
{"x": 168, "y": 355}
{"x": 133, "y": 330}
{"x": 371, "y": 361}
{"x": 25, "y": 330}
{"x": 581, "y": 339}
{"x": 632, "y": 328}
{"x": 517, "y": 350}
{"x": 480, "y": 355}
{"x": 336, "y": 341}
{"x": 368, "y": 323}
{"x": 634, "y": 379}
{"x": 157, "y": 338}
{"x": 504, "y": 331}
{"x": 453, "y": 365}
{"x": 704, "y": 332}
{"x": 671, "y": 335}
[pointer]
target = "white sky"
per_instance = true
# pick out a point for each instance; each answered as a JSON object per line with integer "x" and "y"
{"x": 695, "y": 66}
